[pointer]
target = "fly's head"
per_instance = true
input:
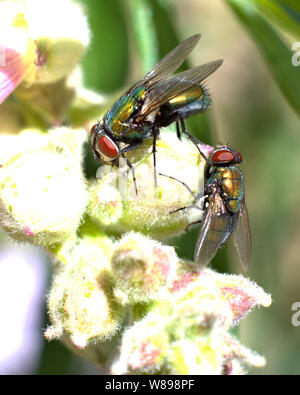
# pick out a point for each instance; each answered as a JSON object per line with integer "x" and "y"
{"x": 223, "y": 155}
{"x": 103, "y": 145}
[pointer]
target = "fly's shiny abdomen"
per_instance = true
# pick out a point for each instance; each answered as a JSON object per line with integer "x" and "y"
{"x": 231, "y": 181}
{"x": 117, "y": 118}
{"x": 193, "y": 100}
{"x": 195, "y": 93}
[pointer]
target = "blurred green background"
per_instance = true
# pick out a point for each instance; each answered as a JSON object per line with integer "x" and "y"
{"x": 256, "y": 95}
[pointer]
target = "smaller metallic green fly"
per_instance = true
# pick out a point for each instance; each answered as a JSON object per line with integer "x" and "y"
{"x": 157, "y": 100}
{"x": 225, "y": 210}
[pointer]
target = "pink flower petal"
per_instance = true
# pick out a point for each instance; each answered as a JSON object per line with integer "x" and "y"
{"x": 146, "y": 355}
{"x": 11, "y": 72}
{"x": 239, "y": 301}
{"x": 241, "y": 294}
{"x": 206, "y": 149}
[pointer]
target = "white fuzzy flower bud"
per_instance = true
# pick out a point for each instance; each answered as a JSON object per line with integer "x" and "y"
{"x": 42, "y": 191}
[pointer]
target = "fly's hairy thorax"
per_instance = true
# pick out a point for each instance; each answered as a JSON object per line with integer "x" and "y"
{"x": 230, "y": 181}
{"x": 122, "y": 113}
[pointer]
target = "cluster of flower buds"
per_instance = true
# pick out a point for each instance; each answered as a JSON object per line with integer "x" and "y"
{"x": 119, "y": 297}
{"x": 175, "y": 318}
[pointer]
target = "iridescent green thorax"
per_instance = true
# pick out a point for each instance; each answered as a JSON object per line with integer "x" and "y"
{"x": 230, "y": 180}
{"x": 118, "y": 116}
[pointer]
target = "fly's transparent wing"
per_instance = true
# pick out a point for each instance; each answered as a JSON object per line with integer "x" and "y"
{"x": 217, "y": 226}
{"x": 167, "y": 65}
{"x": 171, "y": 61}
{"x": 242, "y": 237}
{"x": 163, "y": 91}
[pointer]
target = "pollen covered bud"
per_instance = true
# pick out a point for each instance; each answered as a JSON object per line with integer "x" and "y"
{"x": 220, "y": 300}
{"x": 81, "y": 303}
{"x": 43, "y": 190}
{"x": 187, "y": 331}
{"x": 150, "y": 211}
{"x": 144, "y": 347}
{"x": 201, "y": 356}
{"x": 143, "y": 268}
{"x": 216, "y": 353}
{"x": 241, "y": 294}
{"x": 13, "y": 144}
{"x": 199, "y": 306}
{"x": 105, "y": 200}
{"x": 208, "y": 304}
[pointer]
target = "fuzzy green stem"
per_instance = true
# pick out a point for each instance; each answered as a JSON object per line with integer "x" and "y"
{"x": 144, "y": 33}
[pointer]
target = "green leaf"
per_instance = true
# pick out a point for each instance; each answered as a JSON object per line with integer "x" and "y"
{"x": 144, "y": 33}
{"x": 105, "y": 64}
{"x": 153, "y": 30}
{"x": 286, "y": 16}
{"x": 292, "y": 5}
{"x": 276, "y": 53}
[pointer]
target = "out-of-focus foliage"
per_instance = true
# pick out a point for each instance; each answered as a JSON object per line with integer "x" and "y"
{"x": 275, "y": 50}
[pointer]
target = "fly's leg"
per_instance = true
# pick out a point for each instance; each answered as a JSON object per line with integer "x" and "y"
{"x": 196, "y": 197}
{"x": 178, "y": 130}
{"x": 181, "y": 182}
{"x": 191, "y": 224}
{"x": 192, "y": 138}
{"x": 155, "y": 135}
{"x": 183, "y": 208}
{"x": 129, "y": 164}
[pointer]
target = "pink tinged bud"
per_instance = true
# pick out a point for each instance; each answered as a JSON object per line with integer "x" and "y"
{"x": 227, "y": 368}
{"x": 242, "y": 295}
{"x": 143, "y": 267}
{"x": 236, "y": 294}
{"x": 184, "y": 280}
{"x": 28, "y": 232}
{"x": 240, "y": 302}
{"x": 237, "y": 353}
{"x": 206, "y": 149}
{"x": 162, "y": 264}
{"x": 144, "y": 346}
{"x": 146, "y": 355}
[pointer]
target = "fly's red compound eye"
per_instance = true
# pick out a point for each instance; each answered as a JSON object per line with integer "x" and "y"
{"x": 240, "y": 156}
{"x": 94, "y": 128}
{"x": 223, "y": 156}
{"x": 108, "y": 148}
